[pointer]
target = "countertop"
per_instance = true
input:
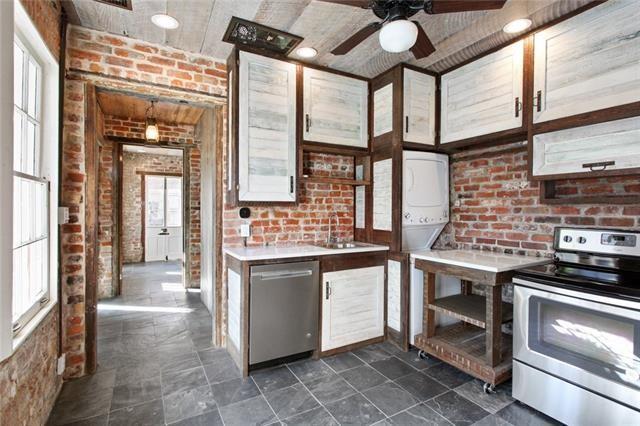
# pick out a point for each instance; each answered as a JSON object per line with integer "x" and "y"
{"x": 481, "y": 260}
{"x": 274, "y": 252}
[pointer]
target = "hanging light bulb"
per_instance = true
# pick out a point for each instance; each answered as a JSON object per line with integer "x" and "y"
{"x": 151, "y": 132}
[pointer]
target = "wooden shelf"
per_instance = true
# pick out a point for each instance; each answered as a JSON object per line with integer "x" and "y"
{"x": 339, "y": 181}
{"x": 469, "y": 308}
{"x": 324, "y": 148}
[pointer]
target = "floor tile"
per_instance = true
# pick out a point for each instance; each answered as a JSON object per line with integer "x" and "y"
{"x": 212, "y": 418}
{"x": 188, "y": 403}
{"x": 520, "y": 414}
{"x": 413, "y": 359}
{"x": 183, "y": 380}
{"x": 392, "y": 368}
{"x": 390, "y": 398}
{"x": 91, "y": 404}
{"x": 370, "y": 354}
{"x": 418, "y": 416}
{"x": 147, "y": 414}
{"x": 492, "y": 420}
{"x": 421, "y": 386}
{"x": 136, "y": 393}
{"x": 448, "y": 375}
{"x": 491, "y": 402}
{"x": 75, "y": 389}
{"x": 132, "y": 372}
{"x": 234, "y": 390}
{"x": 179, "y": 362}
{"x": 310, "y": 369}
{"x": 343, "y": 361}
{"x": 101, "y": 420}
{"x": 354, "y": 410}
{"x": 330, "y": 388}
{"x": 254, "y": 411}
{"x": 274, "y": 378}
{"x": 290, "y": 401}
{"x": 208, "y": 356}
{"x": 316, "y": 417}
{"x": 363, "y": 377}
{"x": 457, "y": 409}
{"x": 222, "y": 370}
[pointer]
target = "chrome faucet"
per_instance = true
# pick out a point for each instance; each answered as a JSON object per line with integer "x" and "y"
{"x": 330, "y": 238}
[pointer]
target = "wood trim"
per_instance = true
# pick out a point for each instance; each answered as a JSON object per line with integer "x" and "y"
{"x": 352, "y": 347}
{"x": 485, "y": 141}
{"x": 143, "y": 142}
{"x": 71, "y": 14}
{"x": 339, "y": 181}
{"x": 218, "y": 285}
{"x": 326, "y": 148}
{"x": 115, "y": 235}
{"x": 146, "y": 173}
{"x": 402, "y": 338}
{"x": 118, "y": 163}
{"x": 468, "y": 274}
{"x": 342, "y": 262}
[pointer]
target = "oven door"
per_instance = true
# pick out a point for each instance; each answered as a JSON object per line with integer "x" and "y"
{"x": 588, "y": 340}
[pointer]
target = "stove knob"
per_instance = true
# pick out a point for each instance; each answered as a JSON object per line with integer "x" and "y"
{"x": 422, "y": 220}
{"x": 567, "y": 238}
{"x": 407, "y": 215}
{"x": 582, "y": 240}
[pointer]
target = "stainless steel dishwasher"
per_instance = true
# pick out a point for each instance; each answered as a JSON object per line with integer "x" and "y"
{"x": 283, "y": 313}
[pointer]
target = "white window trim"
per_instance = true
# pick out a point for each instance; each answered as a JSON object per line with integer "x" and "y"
{"x": 13, "y": 17}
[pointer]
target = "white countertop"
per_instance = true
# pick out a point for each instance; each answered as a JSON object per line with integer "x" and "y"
{"x": 482, "y": 260}
{"x": 273, "y": 252}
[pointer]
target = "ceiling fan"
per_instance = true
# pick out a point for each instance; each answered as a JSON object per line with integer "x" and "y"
{"x": 398, "y": 33}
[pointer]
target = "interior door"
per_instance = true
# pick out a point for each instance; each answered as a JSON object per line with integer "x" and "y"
{"x": 163, "y": 218}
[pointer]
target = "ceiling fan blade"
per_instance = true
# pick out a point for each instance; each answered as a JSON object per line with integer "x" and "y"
{"x": 355, "y": 3}
{"x": 423, "y": 46}
{"x": 449, "y": 6}
{"x": 356, "y": 39}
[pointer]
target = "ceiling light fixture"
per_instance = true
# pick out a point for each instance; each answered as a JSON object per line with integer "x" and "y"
{"x": 398, "y": 36}
{"x": 306, "y": 52}
{"x": 517, "y": 26}
{"x": 151, "y": 133}
{"x": 165, "y": 21}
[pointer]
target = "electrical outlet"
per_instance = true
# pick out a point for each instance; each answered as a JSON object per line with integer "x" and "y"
{"x": 245, "y": 230}
{"x": 63, "y": 215}
{"x": 62, "y": 363}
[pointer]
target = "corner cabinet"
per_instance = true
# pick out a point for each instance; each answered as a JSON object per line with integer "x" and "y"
{"x": 484, "y": 96}
{"x": 335, "y": 109}
{"x": 419, "y": 107}
{"x": 587, "y": 63}
{"x": 352, "y": 306}
{"x": 266, "y": 120}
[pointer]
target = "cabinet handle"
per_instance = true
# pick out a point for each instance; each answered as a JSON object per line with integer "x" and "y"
{"x": 307, "y": 121}
{"x": 327, "y": 290}
{"x": 291, "y": 184}
{"x": 538, "y": 101}
{"x": 518, "y": 107}
{"x": 602, "y": 164}
{"x": 406, "y": 124}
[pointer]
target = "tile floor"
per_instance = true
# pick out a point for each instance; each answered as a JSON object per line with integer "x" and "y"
{"x": 157, "y": 366}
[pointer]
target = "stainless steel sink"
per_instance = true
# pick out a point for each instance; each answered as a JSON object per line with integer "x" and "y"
{"x": 341, "y": 245}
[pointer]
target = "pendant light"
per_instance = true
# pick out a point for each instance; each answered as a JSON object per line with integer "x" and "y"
{"x": 151, "y": 133}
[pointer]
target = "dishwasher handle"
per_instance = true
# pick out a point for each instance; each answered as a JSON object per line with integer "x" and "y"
{"x": 265, "y": 276}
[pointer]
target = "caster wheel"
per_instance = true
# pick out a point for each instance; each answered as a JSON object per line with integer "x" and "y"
{"x": 422, "y": 354}
{"x": 489, "y": 389}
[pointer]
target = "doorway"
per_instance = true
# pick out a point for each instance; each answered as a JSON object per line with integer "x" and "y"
{"x": 163, "y": 208}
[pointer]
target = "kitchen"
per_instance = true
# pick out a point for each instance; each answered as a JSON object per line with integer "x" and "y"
{"x": 404, "y": 212}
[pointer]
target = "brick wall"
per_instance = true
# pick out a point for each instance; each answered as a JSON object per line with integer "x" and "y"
{"x": 45, "y": 15}
{"x": 106, "y": 226}
{"x": 495, "y": 207}
{"x": 134, "y": 129}
{"x": 133, "y": 163}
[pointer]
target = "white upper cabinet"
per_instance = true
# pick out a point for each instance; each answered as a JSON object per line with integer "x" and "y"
{"x": 267, "y": 130}
{"x": 419, "y": 105}
{"x": 588, "y": 62}
{"x": 335, "y": 109}
{"x": 484, "y": 96}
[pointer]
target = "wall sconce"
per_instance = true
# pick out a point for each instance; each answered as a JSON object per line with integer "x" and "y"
{"x": 151, "y": 132}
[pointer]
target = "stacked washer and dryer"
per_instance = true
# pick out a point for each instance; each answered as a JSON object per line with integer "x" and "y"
{"x": 425, "y": 212}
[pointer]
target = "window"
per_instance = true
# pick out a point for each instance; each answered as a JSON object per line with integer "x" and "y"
{"x": 31, "y": 210}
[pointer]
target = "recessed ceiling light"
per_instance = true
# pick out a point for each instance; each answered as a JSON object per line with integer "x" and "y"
{"x": 306, "y": 52}
{"x": 165, "y": 21}
{"x": 517, "y": 26}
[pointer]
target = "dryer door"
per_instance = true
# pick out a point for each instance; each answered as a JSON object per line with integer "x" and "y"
{"x": 425, "y": 188}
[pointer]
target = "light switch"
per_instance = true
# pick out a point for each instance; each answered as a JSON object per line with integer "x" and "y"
{"x": 245, "y": 230}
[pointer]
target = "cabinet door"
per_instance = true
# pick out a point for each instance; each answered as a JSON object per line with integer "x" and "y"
{"x": 589, "y": 62}
{"x": 419, "y": 105}
{"x": 483, "y": 97}
{"x": 335, "y": 109}
{"x": 267, "y": 129}
{"x": 352, "y": 306}
{"x": 612, "y": 146}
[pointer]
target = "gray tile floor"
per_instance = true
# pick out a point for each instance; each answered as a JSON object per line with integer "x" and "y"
{"x": 157, "y": 366}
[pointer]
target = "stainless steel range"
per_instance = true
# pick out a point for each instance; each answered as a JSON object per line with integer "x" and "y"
{"x": 576, "y": 338}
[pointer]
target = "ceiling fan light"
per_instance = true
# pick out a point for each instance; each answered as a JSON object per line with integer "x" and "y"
{"x": 517, "y": 25}
{"x": 398, "y": 36}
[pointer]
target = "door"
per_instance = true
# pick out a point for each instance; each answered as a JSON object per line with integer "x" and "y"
{"x": 267, "y": 130}
{"x": 335, "y": 109}
{"x": 163, "y": 218}
{"x": 587, "y": 63}
{"x": 419, "y": 105}
{"x": 352, "y": 306}
{"x": 484, "y": 96}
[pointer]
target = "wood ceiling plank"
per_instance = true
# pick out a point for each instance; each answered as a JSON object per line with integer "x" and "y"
{"x": 280, "y": 14}
{"x": 193, "y": 16}
{"x": 125, "y": 106}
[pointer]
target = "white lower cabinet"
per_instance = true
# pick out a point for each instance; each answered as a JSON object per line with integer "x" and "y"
{"x": 352, "y": 306}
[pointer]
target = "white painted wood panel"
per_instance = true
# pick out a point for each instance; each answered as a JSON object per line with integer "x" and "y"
{"x": 360, "y": 207}
{"x": 354, "y": 309}
{"x": 419, "y": 105}
{"x": 568, "y": 151}
{"x": 382, "y": 195}
{"x": 267, "y": 129}
{"x": 383, "y": 110}
{"x": 234, "y": 307}
{"x": 394, "y": 295}
{"x": 588, "y": 62}
{"x": 480, "y": 97}
{"x": 335, "y": 108}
